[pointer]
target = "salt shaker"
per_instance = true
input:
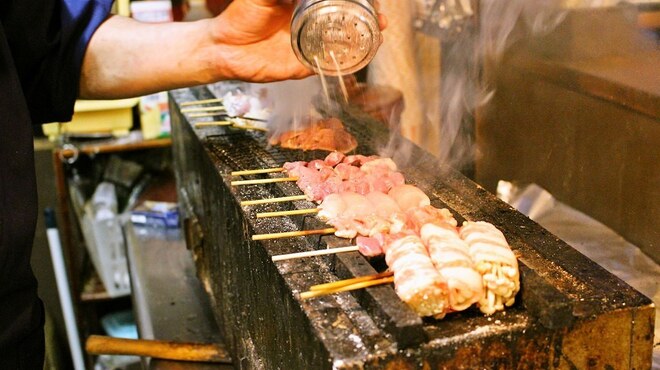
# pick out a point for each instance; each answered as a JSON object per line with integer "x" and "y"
{"x": 335, "y": 37}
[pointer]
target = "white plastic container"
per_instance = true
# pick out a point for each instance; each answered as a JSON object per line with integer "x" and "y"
{"x": 104, "y": 239}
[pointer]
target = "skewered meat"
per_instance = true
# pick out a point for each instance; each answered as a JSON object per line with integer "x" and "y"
{"x": 348, "y": 172}
{"x": 352, "y": 214}
{"x": 416, "y": 280}
{"x": 451, "y": 257}
{"x": 238, "y": 103}
{"x": 332, "y": 206}
{"x": 495, "y": 261}
{"x": 328, "y": 134}
{"x": 379, "y": 165}
{"x": 409, "y": 196}
{"x": 437, "y": 268}
{"x": 386, "y": 206}
{"x": 317, "y": 179}
{"x": 420, "y": 216}
{"x": 369, "y": 246}
{"x": 334, "y": 158}
{"x": 358, "y": 159}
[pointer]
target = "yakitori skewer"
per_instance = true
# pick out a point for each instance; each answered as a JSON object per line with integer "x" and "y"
{"x": 257, "y": 172}
{"x": 355, "y": 280}
{"x": 320, "y": 252}
{"x": 264, "y": 181}
{"x": 346, "y": 288}
{"x": 204, "y": 109}
{"x": 200, "y": 102}
{"x": 212, "y": 124}
{"x": 293, "y": 234}
{"x": 295, "y": 212}
{"x": 273, "y": 200}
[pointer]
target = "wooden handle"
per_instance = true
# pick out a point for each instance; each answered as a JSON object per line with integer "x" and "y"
{"x": 195, "y": 352}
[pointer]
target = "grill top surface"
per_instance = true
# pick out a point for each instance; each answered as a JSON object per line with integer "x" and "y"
{"x": 559, "y": 284}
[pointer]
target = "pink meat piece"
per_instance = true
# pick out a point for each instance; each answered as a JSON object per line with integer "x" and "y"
{"x": 313, "y": 193}
{"x": 309, "y": 181}
{"x": 327, "y": 172}
{"x": 347, "y": 186}
{"x": 386, "y": 240}
{"x": 400, "y": 223}
{"x": 357, "y": 205}
{"x": 359, "y": 186}
{"x": 333, "y": 206}
{"x": 394, "y": 179}
{"x": 379, "y": 165}
{"x": 420, "y": 216}
{"x": 364, "y": 160}
{"x": 357, "y": 218}
{"x": 356, "y": 159}
{"x": 384, "y": 181}
{"x": 334, "y": 158}
{"x": 316, "y": 164}
{"x": 409, "y": 196}
{"x": 291, "y": 168}
{"x": 331, "y": 185}
{"x": 385, "y": 205}
{"x": 376, "y": 183}
{"x": 376, "y": 225}
{"x": 369, "y": 247}
{"x": 348, "y": 172}
{"x": 308, "y": 175}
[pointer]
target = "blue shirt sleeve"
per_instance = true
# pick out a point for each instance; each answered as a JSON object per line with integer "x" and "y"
{"x": 48, "y": 40}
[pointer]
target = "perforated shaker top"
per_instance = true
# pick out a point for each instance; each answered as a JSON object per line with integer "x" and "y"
{"x": 335, "y": 36}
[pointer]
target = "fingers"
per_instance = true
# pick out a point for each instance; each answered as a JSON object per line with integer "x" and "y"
{"x": 382, "y": 21}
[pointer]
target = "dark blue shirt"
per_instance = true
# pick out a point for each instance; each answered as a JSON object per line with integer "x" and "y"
{"x": 42, "y": 43}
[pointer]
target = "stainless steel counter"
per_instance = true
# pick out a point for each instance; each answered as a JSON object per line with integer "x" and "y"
{"x": 168, "y": 300}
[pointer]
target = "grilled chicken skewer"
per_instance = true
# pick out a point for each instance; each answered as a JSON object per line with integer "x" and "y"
{"x": 472, "y": 265}
{"x": 495, "y": 261}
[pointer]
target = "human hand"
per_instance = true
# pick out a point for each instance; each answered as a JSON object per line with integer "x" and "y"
{"x": 254, "y": 41}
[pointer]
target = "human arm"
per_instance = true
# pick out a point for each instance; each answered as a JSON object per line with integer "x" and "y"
{"x": 248, "y": 41}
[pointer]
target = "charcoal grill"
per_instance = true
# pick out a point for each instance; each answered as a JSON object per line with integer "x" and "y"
{"x": 570, "y": 313}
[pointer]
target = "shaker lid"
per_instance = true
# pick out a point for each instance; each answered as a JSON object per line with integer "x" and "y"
{"x": 335, "y": 37}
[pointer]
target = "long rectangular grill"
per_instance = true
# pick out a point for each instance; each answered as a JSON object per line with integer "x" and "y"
{"x": 565, "y": 298}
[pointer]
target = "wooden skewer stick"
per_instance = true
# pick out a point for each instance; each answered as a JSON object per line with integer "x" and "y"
{"x": 249, "y": 127}
{"x": 198, "y": 352}
{"x": 257, "y": 172}
{"x": 264, "y": 181}
{"x": 273, "y": 200}
{"x": 203, "y": 109}
{"x": 293, "y": 234}
{"x": 200, "y": 102}
{"x": 346, "y": 288}
{"x": 212, "y": 124}
{"x": 295, "y": 212}
{"x": 341, "y": 283}
{"x": 321, "y": 252}
{"x": 248, "y": 118}
{"x": 207, "y": 114}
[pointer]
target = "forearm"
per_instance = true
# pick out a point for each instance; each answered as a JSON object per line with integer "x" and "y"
{"x": 127, "y": 58}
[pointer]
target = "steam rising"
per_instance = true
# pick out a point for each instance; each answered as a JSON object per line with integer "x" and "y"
{"x": 463, "y": 88}
{"x": 480, "y": 43}
{"x": 293, "y": 106}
